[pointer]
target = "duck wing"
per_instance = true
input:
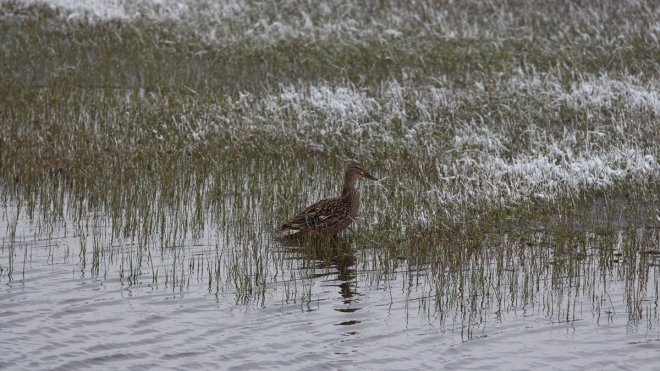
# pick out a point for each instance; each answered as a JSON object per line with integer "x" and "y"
{"x": 322, "y": 215}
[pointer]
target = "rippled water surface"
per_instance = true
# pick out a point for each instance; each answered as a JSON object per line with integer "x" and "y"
{"x": 215, "y": 302}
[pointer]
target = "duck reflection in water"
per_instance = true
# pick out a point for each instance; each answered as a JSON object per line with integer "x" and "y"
{"x": 328, "y": 254}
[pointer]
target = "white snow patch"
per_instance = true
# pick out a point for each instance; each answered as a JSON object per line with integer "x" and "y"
{"x": 590, "y": 91}
{"x": 526, "y": 175}
{"x": 102, "y": 9}
{"x": 606, "y": 92}
{"x": 335, "y": 103}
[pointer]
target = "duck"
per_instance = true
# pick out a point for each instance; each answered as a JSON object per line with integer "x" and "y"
{"x": 330, "y": 216}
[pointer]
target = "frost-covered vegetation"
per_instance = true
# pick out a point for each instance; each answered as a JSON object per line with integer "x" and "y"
{"x": 467, "y": 109}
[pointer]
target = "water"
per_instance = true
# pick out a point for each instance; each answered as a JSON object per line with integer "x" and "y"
{"x": 214, "y": 302}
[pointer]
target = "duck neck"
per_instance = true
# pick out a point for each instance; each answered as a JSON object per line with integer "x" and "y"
{"x": 349, "y": 184}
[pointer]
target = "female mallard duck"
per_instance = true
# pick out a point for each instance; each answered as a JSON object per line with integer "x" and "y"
{"x": 332, "y": 215}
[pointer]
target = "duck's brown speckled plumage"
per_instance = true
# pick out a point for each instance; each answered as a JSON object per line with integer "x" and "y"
{"x": 331, "y": 215}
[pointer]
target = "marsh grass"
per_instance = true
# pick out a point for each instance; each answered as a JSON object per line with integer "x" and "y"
{"x": 517, "y": 147}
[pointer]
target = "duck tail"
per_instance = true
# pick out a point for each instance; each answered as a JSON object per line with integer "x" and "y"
{"x": 285, "y": 231}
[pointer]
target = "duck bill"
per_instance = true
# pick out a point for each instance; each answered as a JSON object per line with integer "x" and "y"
{"x": 368, "y": 176}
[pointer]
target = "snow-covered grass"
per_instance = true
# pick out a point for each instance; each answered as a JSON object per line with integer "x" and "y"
{"x": 463, "y": 108}
{"x": 272, "y": 21}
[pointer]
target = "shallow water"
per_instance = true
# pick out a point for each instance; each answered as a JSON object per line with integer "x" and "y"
{"x": 213, "y": 302}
